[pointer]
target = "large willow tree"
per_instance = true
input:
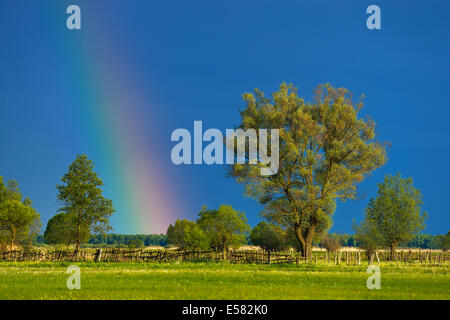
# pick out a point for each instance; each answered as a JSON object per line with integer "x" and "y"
{"x": 325, "y": 150}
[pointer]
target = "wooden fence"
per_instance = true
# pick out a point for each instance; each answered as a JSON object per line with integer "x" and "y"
{"x": 353, "y": 257}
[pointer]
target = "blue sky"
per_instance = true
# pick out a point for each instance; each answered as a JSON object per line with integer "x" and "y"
{"x": 197, "y": 58}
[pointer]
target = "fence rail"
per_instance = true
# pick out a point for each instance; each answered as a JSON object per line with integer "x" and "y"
{"x": 353, "y": 257}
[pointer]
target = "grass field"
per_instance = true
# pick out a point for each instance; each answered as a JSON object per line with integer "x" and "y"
{"x": 25, "y": 280}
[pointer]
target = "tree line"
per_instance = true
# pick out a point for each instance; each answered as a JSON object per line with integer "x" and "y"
{"x": 227, "y": 228}
{"x": 325, "y": 151}
{"x": 113, "y": 240}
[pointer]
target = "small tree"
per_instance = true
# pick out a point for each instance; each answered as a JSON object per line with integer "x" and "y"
{"x": 367, "y": 237}
{"x": 269, "y": 236}
{"x": 35, "y": 227}
{"x": 225, "y": 227}
{"x": 396, "y": 213}
{"x": 82, "y": 198}
{"x": 331, "y": 243}
{"x": 187, "y": 235}
{"x": 19, "y": 221}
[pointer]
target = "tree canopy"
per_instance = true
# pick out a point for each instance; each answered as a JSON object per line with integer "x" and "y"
{"x": 187, "y": 235}
{"x": 367, "y": 236}
{"x": 269, "y": 236}
{"x": 61, "y": 229}
{"x": 224, "y": 226}
{"x": 19, "y": 221}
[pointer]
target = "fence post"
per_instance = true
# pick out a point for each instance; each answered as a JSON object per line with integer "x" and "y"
{"x": 98, "y": 255}
{"x": 378, "y": 259}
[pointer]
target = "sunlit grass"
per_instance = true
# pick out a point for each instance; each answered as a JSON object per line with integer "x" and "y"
{"x": 219, "y": 281}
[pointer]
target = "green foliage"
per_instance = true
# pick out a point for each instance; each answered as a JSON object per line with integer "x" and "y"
{"x": 396, "y": 215}
{"x": 269, "y": 237}
{"x": 187, "y": 235}
{"x": 224, "y": 226}
{"x": 19, "y": 221}
{"x": 10, "y": 190}
{"x": 347, "y": 240}
{"x": 135, "y": 243}
{"x": 61, "y": 229}
{"x": 16, "y": 219}
{"x": 325, "y": 151}
{"x": 443, "y": 242}
{"x": 423, "y": 241}
{"x": 82, "y": 199}
{"x": 367, "y": 236}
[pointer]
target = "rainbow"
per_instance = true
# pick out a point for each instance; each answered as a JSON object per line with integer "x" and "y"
{"x": 110, "y": 111}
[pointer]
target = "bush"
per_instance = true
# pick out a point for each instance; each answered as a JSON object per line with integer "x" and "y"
{"x": 187, "y": 235}
{"x": 269, "y": 237}
{"x": 135, "y": 244}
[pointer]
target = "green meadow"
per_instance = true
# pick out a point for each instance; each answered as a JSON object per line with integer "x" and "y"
{"x": 206, "y": 280}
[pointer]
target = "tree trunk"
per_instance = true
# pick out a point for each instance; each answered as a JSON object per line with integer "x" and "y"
{"x": 13, "y": 236}
{"x": 309, "y": 237}
{"x": 224, "y": 252}
{"x": 77, "y": 245}
{"x": 305, "y": 242}
{"x": 301, "y": 240}
{"x": 307, "y": 251}
{"x": 393, "y": 253}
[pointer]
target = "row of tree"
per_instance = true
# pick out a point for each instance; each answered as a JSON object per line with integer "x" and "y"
{"x": 261, "y": 231}
{"x": 394, "y": 217}
{"x": 421, "y": 240}
{"x": 114, "y": 240}
{"x": 83, "y": 209}
{"x": 136, "y": 240}
{"x": 215, "y": 228}
{"x": 325, "y": 150}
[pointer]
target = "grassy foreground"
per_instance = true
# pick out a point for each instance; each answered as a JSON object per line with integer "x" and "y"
{"x": 22, "y": 280}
